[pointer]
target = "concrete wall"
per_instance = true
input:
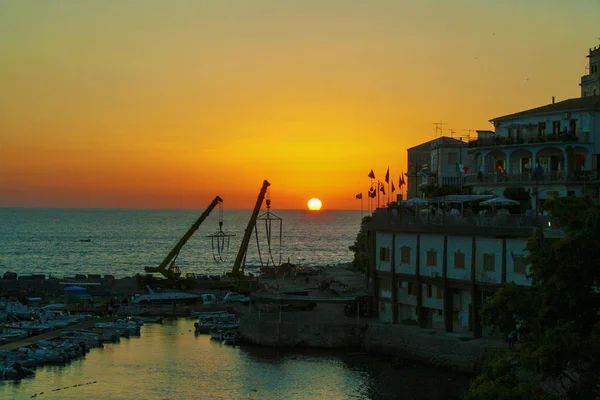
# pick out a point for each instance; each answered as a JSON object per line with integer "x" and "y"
{"x": 464, "y": 245}
{"x": 428, "y": 346}
{"x": 432, "y": 243}
{"x": 491, "y": 246}
{"x": 383, "y": 240}
{"x": 410, "y": 241}
{"x": 269, "y": 332}
{"x": 516, "y": 247}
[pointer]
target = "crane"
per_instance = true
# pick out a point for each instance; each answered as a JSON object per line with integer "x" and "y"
{"x": 173, "y": 272}
{"x": 238, "y": 269}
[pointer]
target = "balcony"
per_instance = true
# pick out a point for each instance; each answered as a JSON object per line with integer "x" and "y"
{"x": 531, "y": 178}
{"x": 511, "y": 225}
{"x": 527, "y": 139}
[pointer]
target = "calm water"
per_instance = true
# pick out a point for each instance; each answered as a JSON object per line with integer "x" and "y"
{"x": 169, "y": 362}
{"x": 123, "y": 241}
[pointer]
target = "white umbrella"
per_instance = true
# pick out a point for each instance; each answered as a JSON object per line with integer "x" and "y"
{"x": 499, "y": 201}
{"x": 415, "y": 201}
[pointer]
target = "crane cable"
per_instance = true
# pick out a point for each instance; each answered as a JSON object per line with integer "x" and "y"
{"x": 221, "y": 239}
{"x": 269, "y": 231}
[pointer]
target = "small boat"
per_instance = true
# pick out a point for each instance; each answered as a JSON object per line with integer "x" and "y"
{"x": 164, "y": 297}
{"x": 146, "y": 319}
{"x": 232, "y": 337}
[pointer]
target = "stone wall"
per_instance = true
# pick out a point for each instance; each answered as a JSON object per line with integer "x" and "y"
{"x": 430, "y": 346}
{"x": 269, "y": 332}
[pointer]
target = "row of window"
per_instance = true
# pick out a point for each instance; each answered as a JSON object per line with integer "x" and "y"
{"x": 489, "y": 259}
{"x": 385, "y": 284}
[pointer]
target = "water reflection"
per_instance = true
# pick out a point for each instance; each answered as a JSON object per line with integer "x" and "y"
{"x": 170, "y": 362}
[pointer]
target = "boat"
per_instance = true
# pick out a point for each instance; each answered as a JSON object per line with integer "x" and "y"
{"x": 232, "y": 336}
{"x": 164, "y": 297}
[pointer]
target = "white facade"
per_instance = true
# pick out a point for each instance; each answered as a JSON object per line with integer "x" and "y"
{"x": 430, "y": 278}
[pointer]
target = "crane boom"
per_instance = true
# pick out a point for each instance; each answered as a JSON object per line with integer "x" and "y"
{"x": 236, "y": 271}
{"x": 172, "y": 271}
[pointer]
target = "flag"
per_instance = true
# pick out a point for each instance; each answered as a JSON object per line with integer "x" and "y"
{"x": 499, "y": 168}
{"x": 387, "y": 176}
{"x": 382, "y": 188}
{"x": 372, "y": 193}
{"x": 401, "y": 181}
{"x": 371, "y": 174}
{"x": 462, "y": 169}
{"x": 393, "y": 188}
{"x": 359, "y": 196}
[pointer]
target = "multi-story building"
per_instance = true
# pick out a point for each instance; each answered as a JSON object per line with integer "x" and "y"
{"x": 547, "y": 150}
{"x": 590, "y": 83}
{"x": 435, "y": 271}
{"x": 435, "y": 161}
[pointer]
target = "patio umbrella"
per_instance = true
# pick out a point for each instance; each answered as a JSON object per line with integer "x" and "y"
{"x": 499, "y": 201}
{"x": 415, "y": 201}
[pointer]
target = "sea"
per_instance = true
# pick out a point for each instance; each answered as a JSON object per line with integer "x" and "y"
{"x": 169, "y": 361}
{"x": 120, "y": 242}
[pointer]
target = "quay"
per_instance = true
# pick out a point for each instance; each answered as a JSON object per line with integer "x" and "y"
{"x": 300, "y": 312}
{"x": 52, "y": 334}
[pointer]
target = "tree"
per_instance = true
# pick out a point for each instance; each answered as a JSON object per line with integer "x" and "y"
{"x": 360, "y": 247}
{"x": 519, "y": 194}
{"x": 558, "y": 316}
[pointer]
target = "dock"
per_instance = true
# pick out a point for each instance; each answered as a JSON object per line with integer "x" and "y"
{"x": 52, "y": 334}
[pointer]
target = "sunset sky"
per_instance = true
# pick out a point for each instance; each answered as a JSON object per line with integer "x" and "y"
{"x": 166, "y": 104}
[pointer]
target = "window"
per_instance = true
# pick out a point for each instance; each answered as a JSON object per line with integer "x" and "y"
{"x": 429, "y": 291}
{"x": 489, "y": 262}
{"x": 541, "y": 129}
{"x": 405, "y": 255}
{"x": 556, "y": 127}
{"x": 384, "y": 254}
{"x": 440, "y": 292}
{"x": 519, "y": 264}
{"x": 412, "y": 289}
{"x": 385, "y": 284}
{"x": 432, "y": 258}
{"x": 459, "y": 260}
{"x": 452, "y": 158}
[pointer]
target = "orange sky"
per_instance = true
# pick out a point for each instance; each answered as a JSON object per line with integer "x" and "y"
{"x": 167, "y": 104}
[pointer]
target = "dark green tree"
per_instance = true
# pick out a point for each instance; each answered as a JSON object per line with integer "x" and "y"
{"x": 558, "y": 316}
{"x": 519, "y": 194}
{"x": 360, "y": 247}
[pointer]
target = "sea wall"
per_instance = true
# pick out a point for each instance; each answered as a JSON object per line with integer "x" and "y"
{"x": 429, "y": 346}
{"x": 270, "y": 332}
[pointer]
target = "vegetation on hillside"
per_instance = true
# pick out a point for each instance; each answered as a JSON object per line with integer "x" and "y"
{"x": 361, "y": 252}
{"x": 558, "y": 320}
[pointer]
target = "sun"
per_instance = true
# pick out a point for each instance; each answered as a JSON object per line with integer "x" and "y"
{"x": 314, "y": 204}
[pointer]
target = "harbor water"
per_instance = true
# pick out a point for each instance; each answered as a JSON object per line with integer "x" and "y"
{"x": 169, "y": 361}
{"x": 120, "y": 242}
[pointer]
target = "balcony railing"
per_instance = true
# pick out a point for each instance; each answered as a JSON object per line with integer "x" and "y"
{"x": 517, "y": 222}
{"x": 530, "y": 177}
{"x": 570, "y": 137}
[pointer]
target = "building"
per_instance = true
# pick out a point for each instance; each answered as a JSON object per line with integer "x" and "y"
{"x": 590, "y": 83}
{"x": 435, "y": 161}
{"x": 436, "y": 271}
{"x": 547, "y": 150}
